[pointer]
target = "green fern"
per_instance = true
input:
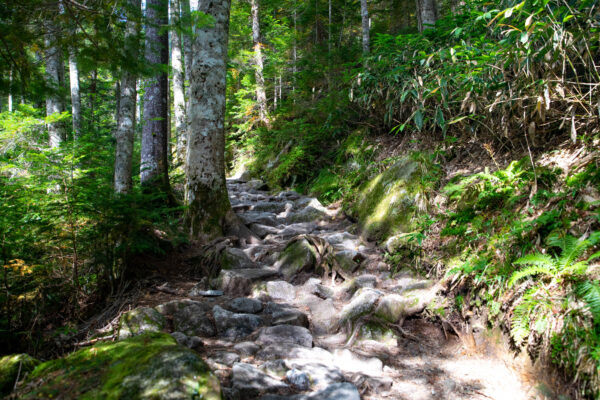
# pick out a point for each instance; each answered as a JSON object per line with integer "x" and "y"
{"x": 556, "y": 267}
{"x": 590, "y": 292}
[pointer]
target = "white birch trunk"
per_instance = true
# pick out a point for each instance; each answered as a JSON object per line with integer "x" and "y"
{"x": 205, "y": 190}
{"x": 366, "y": 36}
{"x": 261, "y": 96}
{"x": 127, "y": 106}
{"x": 54, "y": 102}
{"x": 10, "y": 91}
{"x": 178, "y": 82}
{"x": 427, "y": 14}
{"x": 75, "y": 93}
{"x": 155, "y": 131}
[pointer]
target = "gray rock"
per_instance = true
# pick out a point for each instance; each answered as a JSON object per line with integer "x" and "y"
{"x": 275, "y": 368}
{"x": 298, "y": 379}
{"x": 314, "y": 286}
{"x": 281, "y": 290}
{"x": 233, "y": 258}
{"x": 269, "y": 206}
{"x": 192, "y": 318}
{"x": 246, "y": 348}
{"x": 239, "y": 282}
{"x": 258, "y": 217}
{"x": 245, "y": 305}
{"x": 296, "y": 352}
{"x": 225, "y": 357}
{"x": 230, "y": 393}
{"x": 321, "y": 374}
{"x": 324, "y": 315}
{"x": 140, "y": 320}
{"x": 362, "y": 302}
{"x": 191, "y": 342}
{"x": 263, "y": 230}
{"x": 257, "y": 184}
{"x": 290, "y": 195}
{"x": 285, "y": 334}
{"x": 251, "y": 382}
{"x": 298, "y": 255}
{"x": 312, "y": 212}
{"x": 289, "y": 317}
{"x": 337, "y": 391}
{"x": 347, "y": 259}
{"x": 347, "y": 361}
{"x": 232, "y": 325}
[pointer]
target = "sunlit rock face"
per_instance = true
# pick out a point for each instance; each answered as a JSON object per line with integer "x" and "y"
{"x": 148, "y": 366}
{"x": 387, "y": 204}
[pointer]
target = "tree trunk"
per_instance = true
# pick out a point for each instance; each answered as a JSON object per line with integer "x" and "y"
{"x": 366, "y": 26}
{"x": 178, "y": 81}
{"x": 155, "y": 131}
{"x": 205, "y": 190}
{"x": 427, "y": 14}
{"x": 54, "y": 101}
{"x": 75, "y": 94}
{"x": 10, "y": 91}
{"x": 261, "y": 96}
{"x": 127, "y": 104}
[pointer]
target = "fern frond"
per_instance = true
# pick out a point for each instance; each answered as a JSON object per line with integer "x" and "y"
{"x": 530, "y": 271}
{"x": 572, "y": 248}
{"x": 579, "y": 268}
{"x": 539, "y": 259}
{"x": 590, "y": 292}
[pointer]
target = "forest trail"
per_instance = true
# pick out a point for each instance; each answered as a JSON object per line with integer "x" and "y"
{"x": 273, "y": 333}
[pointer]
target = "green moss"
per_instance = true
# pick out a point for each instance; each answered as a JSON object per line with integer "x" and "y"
{"x": 379, "y": 333}
{"x": 297, "y": 256}
{"x": 149, "y": 366}
{"x": 388, "y": 204}
{"x": 13, "y": 367}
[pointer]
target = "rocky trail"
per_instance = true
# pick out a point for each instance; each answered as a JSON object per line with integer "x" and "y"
{"x": 276, "y": 323}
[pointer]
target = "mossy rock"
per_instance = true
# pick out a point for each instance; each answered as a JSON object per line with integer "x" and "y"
{"x": 140, "y": 320}
{"x": 387, "y": 204}
{"x": 378, "y": 333}
{"x": 13, "y": 367}
{"x": 299, "y": 255}
{"x": 148, "y": 366}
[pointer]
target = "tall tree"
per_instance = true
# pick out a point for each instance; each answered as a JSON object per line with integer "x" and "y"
{"x": 53, "y": 59}
{"x": 75, "y": 94}
{"x": 261, "y": 96}
{"x": 154, "y": 164}
{"x": 205, "y": 189}
{"x": 426, "y": 13}
{"x": 127, "y": 102}
{"x": 178, "y": 79}
{"x": 366, "y": 26}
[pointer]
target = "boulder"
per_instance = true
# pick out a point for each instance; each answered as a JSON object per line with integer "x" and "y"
{"x": 227, "y": 358}
{"x": 283, "y": 314}
{"x": 233, "y": 258}
{"x": 259, "y": 217}
{"x": 297, "y": 256}
{"x": 150, "y": 365}
{"x": 239, "y": 282}
{"x": 298, "y": 379}
{"x": 285, "y": 334}
{"x": 246, "y": 348}
{"x": 320, "y": 374}
{"x": 263, "y": 230}
{"x": 234, "y": 326}
{"x": 252, "y": 382}
{"x": 313, "y": 211}
{"x": 13, "y": 367}
{"x": 387, "y": 204}
{"x": 193, "y": 319}
{"x": 362, "y": 302}
{"x": 245, "y": 305}
{"x": 191, "y": 342}
{"x": 281, "y": 290}
{"x": 140, "y": 320}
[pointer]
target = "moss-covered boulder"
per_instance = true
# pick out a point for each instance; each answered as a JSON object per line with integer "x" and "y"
{"x": 148, "y": 366}
{"x": 299, "y": 255}
{"x": 14, "y": 367}
{"x": 387, "y": 204}
{"x": 140, "y": 320}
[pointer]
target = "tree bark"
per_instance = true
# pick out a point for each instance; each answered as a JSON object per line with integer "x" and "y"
{"x": 178, "y": 81}
{"x": 154, "y": 164}
{"x": 54, "y": 101}
{"x": 127, "y": 104}
{"x": 261, "y": 96}
{"x": 427, "y": 14}
{"x": 366, "y": 26}
{"x": 205, "y": 190}
{"x": 10, "y": 91}
{"x": 75, "y": 93}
